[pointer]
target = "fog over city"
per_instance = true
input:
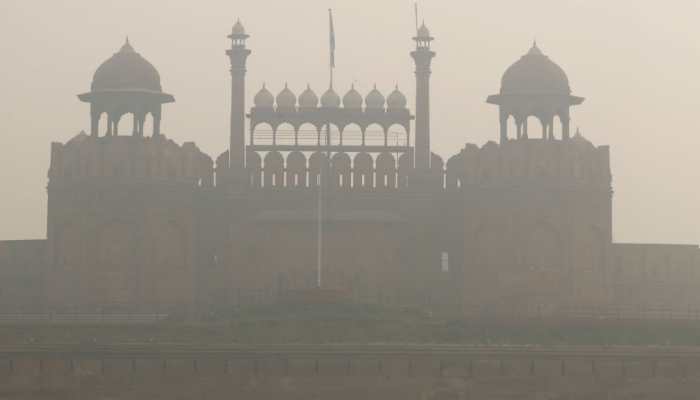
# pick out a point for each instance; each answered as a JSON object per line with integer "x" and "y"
{"x": 635, "y": 62}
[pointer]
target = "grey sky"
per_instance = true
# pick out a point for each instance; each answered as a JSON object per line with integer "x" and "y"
{"x": 636, "y": 62}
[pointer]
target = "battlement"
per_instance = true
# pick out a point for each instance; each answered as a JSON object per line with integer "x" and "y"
{"x": 129, "y": 158}
{"x": 574, "y": 162}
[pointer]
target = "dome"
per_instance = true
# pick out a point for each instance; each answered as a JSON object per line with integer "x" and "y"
{"x": 535, "y": 73}
{"x": 396, "y": 100}
{"x": 352, "y": 99}
{"x": 330, "y": 99}
{"x": 126, "y": 70}
{"x": 286, "y": 100}
{"x": 308, "y": 98}
{"x": 238, "y": 29}
{"x": 264, "y": 99}
{"x": 375, "y": 100}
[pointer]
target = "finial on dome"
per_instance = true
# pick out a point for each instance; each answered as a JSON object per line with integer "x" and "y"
{"x": 126, "y": 48}
{"x": 238, "y": 28}
{"x": 535, "y": 49}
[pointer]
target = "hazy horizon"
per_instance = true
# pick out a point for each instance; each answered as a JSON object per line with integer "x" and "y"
{"x": 638, "y": 72}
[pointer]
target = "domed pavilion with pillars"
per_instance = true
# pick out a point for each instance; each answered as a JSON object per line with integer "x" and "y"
{"x": 126, "y": 84}
{"x": 535, "y": 86}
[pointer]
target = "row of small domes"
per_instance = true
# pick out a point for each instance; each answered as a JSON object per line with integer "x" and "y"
{"x": 286, "y": 100}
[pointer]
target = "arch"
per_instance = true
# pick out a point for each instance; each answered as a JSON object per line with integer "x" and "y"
{"x": 513, "y": 126}
{"x": 318, "y": 161}
{"x": 557, "y": 127}
{"x": 363, "y": 172}
{"x": 262, "y": 133}
{"x": 455, "y": 172}
{"x": 296, "y": 169}
{"x": 534, "y": 126}
{"x": 351, "y": 134}
{"x": 374, "y": 135}
{"x": 398, "y": 135}
{"x": 254, "y": 168}
{"x": 386, "y": 171}
{"x": 405, "y": 165}
{"x": 273, "y": 170}
{"x": 341, "y": 171}
{"x": 285, "y": 134}
{"x": 307, "y": 134}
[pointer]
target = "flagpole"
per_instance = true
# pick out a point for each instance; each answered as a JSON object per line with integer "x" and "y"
{"x": 319, "y": 216}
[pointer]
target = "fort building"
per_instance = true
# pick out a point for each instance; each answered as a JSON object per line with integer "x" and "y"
{"x": 138, "y": 223}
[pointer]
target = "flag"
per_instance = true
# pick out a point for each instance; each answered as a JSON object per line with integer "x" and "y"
{"x": 330, "y": 16}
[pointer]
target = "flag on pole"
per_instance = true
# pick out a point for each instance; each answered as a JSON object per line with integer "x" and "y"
{"x": 330, "y": 16}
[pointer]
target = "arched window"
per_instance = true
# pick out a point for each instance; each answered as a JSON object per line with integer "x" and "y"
{"x": 363, "y": 177}
{"x": 341, "y": 171}
{"x": 296, "y": 170}
{"x": 273, "y": 170}
{"x": 386, "y": 171}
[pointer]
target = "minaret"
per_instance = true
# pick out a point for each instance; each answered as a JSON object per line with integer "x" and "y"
{"x": 423, "y": 56}
{"x": 238, "y": 54}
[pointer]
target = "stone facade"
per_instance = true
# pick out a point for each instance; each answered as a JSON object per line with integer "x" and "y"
{"x": 142, "y": 224}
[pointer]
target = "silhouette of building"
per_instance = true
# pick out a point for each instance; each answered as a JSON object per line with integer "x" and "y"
{"x": 140, "y": 224}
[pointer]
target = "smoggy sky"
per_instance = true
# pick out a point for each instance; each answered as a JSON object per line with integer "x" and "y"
{"x": 637, "y": 62}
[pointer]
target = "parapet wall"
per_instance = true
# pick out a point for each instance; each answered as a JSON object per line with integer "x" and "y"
{"x": 574, "y": 161}
{"x": 129, "y": 158}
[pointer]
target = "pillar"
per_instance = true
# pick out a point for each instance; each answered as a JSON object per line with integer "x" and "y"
{"x": 116, "y": 125}
{"x": 110, "y": 123}
{"x": 550, "y": 125}
{"x": 504, "y": 126}
{"x": 94, "y": 121}
{"x": 156, "y": 123}
{"x": 565, "y": 126}
{"x": 545, "y": 128}
{"x": 423, "y": 57}
{"x": 135, "y": 130}
{"x": 238, "y": 55}
{"x": 525, "y": 136}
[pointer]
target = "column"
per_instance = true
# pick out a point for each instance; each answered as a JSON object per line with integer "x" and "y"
{"x": 504, "y": 126}
{"x": 156, "y": 123}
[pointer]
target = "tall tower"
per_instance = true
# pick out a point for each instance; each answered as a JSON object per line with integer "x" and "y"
{"x": 238, "y": 54}
{"x": 423, "y": 57}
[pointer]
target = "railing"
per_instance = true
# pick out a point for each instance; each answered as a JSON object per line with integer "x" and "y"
{"x": 374, "y": 138}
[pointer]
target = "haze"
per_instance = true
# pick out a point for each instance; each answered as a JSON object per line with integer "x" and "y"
{"x": 636, "y": 63}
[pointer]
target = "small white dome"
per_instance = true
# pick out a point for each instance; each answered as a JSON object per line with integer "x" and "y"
{"x": 352, "y": 99}
{"x": 330, "y": 99}
{"x": 286, "y": 100}
{"x": 396, "y": 100}
{"x": 264, "y": 99}
{"x": 308, "y": 98}
{"x": 375, "y": 100}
